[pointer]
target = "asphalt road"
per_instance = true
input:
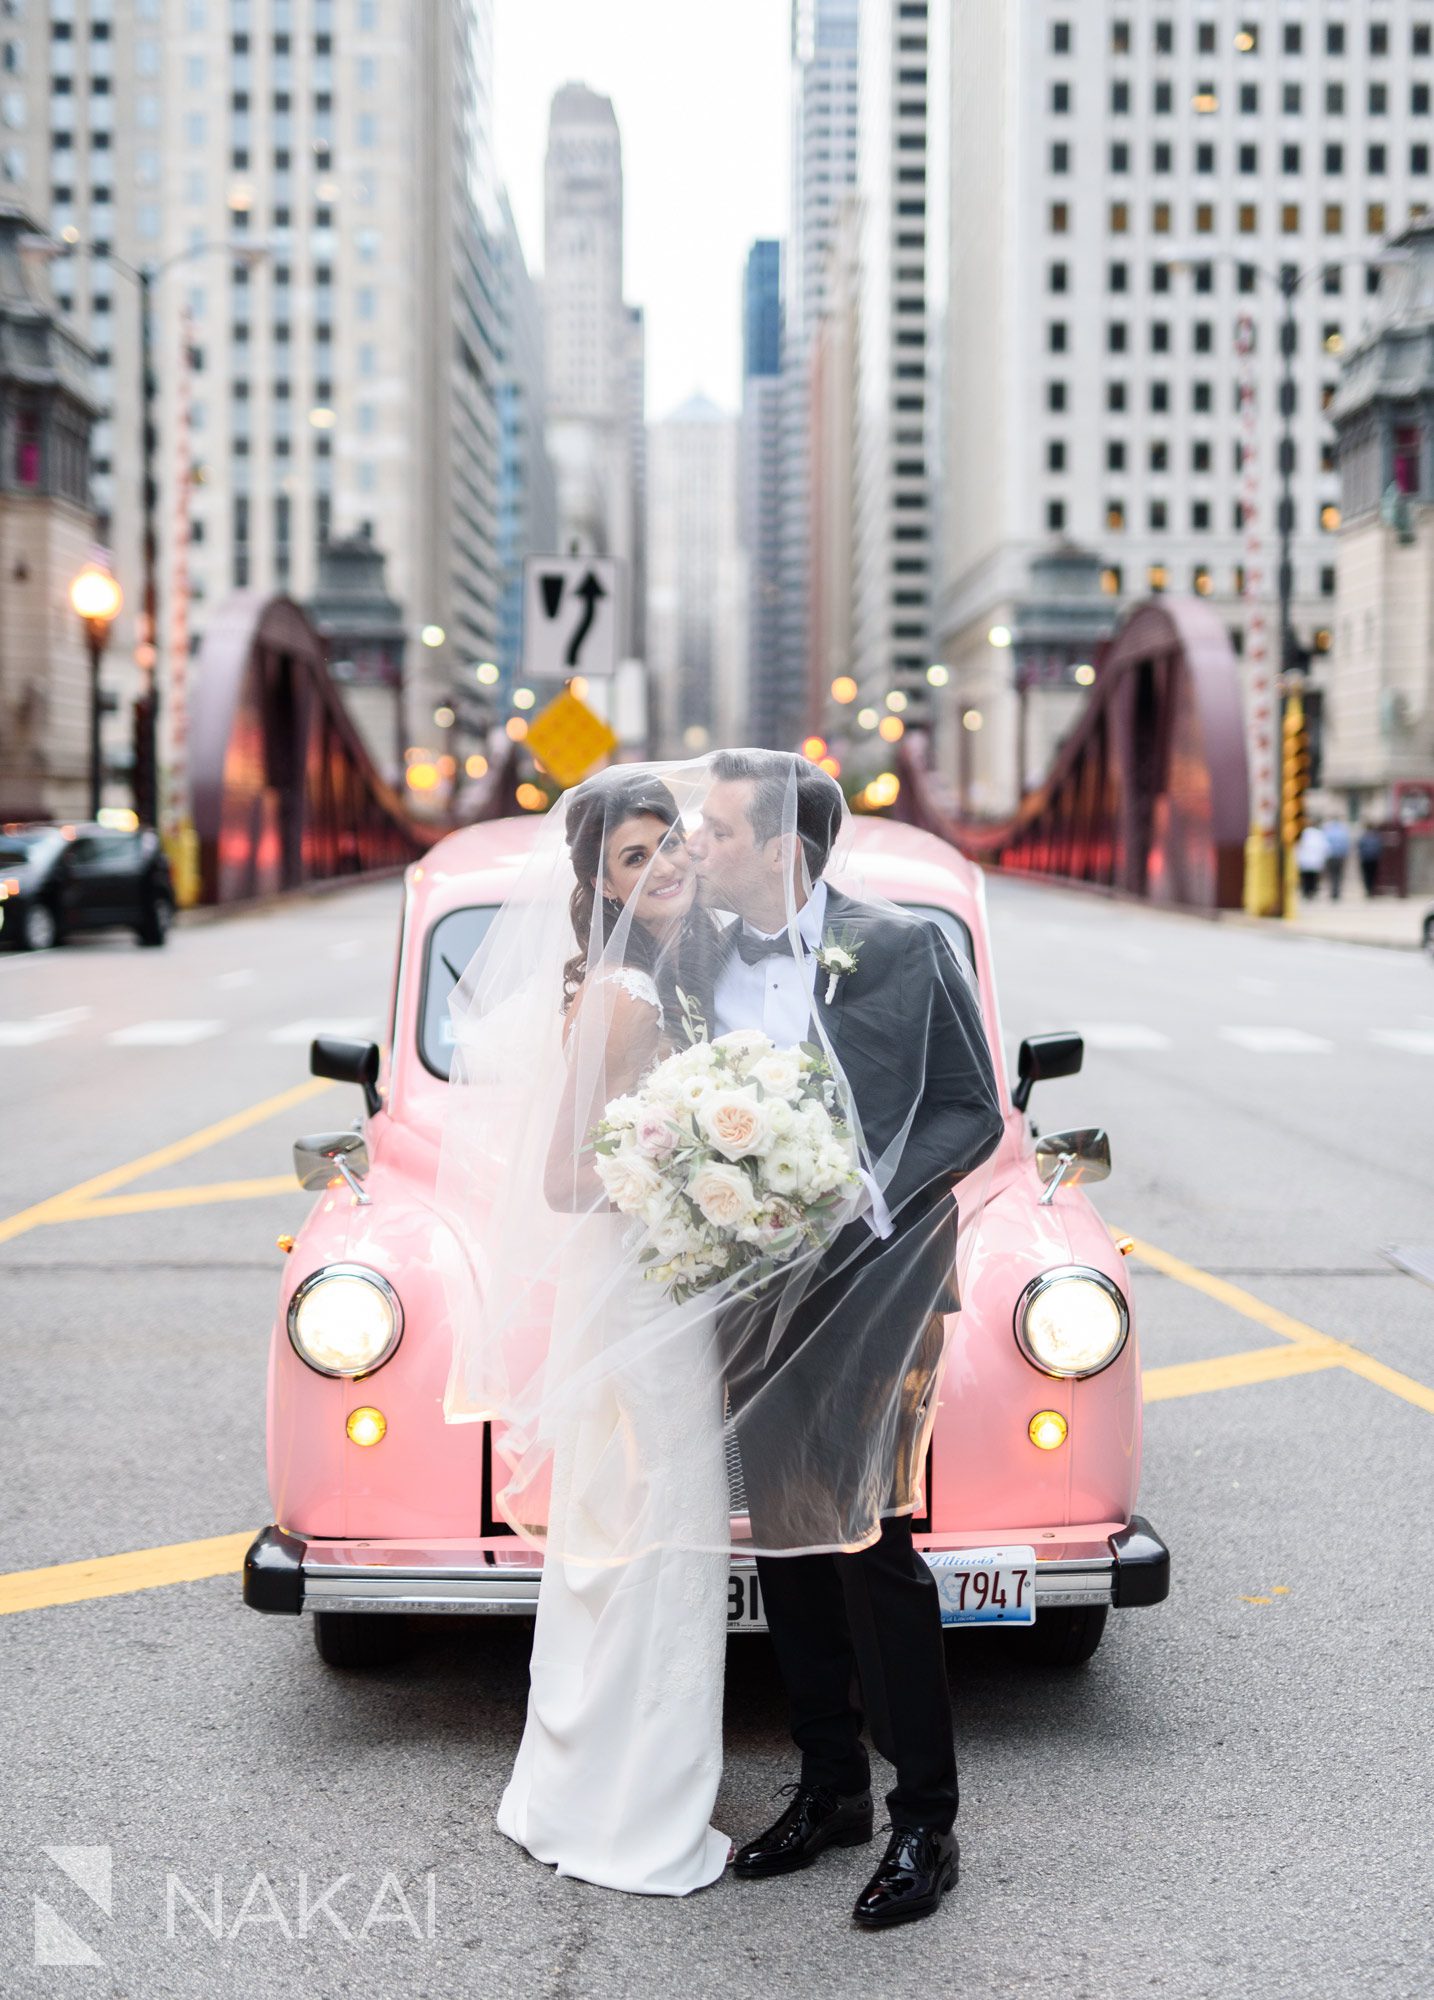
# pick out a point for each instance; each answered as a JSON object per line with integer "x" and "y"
{"x": 1232, "y": 1798}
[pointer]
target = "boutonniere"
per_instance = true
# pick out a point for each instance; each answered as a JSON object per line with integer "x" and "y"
{"x": 838, "y": 956}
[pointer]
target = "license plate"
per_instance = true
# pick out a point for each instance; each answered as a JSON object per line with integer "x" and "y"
{"x": 744, "y": 1602}
{"x": 985, "y": 1586}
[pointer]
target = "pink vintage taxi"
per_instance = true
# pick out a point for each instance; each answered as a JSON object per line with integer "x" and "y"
{"x": 382, "y": 1509}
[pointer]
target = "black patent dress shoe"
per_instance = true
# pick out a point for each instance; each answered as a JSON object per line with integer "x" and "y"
{"x": 919, "y": 1866}
{"x": 816, "y": 1819}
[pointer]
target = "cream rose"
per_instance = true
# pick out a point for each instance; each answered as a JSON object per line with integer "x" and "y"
{"x": 740, "y": 1042}
{"x": 734, "y": 1124}
{"x": 654, "y": 1134}
{"x": 724, "y": 1195}
{"x": 629, "y": 1179}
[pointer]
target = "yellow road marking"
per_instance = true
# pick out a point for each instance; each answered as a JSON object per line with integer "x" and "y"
{"x": 60, "y": 1207}
{"x": 1232, "y": 1371}
{"x": 190, "y": 1197}
{"x": 115, "y": 1576}
{"x": 1309, "y": 1338}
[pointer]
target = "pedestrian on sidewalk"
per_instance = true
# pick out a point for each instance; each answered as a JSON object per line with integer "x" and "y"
{"x": 1311, "y": 853}
{"x": 1336, "y": 841}
{"x": 1371, "y": 846}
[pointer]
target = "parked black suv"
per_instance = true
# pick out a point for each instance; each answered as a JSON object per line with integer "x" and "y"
{"x": 56, "y": 880}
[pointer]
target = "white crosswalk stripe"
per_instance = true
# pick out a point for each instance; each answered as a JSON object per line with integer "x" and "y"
{"x": 162, "y": 1034}
{"x": 1277, "y": 1041}
{"x": 44, "y": 1028}
{"x": 1413, "y": 1041}
{"x": 1122, "y": 1036}
{"x": 296, "y": 1033}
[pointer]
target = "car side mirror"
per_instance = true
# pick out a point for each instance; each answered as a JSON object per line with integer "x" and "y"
{"x": 348, "y": 1062}
{"x": 1066, "y": 1159}
{"x": 1044, "y": 1056}
{"x": 322, "y": 1157}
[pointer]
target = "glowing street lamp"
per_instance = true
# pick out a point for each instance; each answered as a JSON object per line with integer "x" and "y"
{"x": 95, "y": 599}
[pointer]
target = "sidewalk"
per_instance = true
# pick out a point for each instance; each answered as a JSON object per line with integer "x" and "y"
{"x": 1354, "y": 919}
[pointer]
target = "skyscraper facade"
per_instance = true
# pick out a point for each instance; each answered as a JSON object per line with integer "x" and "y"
{"x": 760, "y": 486}
{"x": 311, "y": 182}
{"x": 824, "y": 80}
{"x": 695, "y": 615}
{"x": 1127, "y": 186}
{"x": 527, "y": 491}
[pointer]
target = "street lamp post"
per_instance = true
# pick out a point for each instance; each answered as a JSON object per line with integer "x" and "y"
{"x": 95, "y": 598}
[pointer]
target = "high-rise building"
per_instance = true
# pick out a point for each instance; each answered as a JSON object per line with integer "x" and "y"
{"x": 527, "y": 492}
{"x": 1127, "y": 185}
{"x": 824, "y": 80}
{"x": 309, "y": 183}
{"x": 891, "y": 488}
{"x": 759, "y": 497}
{"x": 695, "y": 613}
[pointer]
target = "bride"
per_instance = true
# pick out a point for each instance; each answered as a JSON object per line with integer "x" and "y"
{"x": 621, "y": 1753}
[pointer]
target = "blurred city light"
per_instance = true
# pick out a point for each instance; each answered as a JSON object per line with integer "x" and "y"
{"x": 844, "y": 688}
{"x": 972, "y": 719}
{"x": 814, "y": 748}
{"x": 433, "y": 635}
{"x": 443, "y": 716}
{"x": 1084, "y": 674}
{"x": 523, "y": 697}
{"x": 999, "y": 635}
{"x": 516, "y": 728}
{"x": 476, "y": 765}
{"x": 938, "y": 675}
{"x": 891, "y": 729}
{"x": 487, "y": 672}
{"x": 896, "y": 701}
{"x": 831, "y": 765}
{"x": 421, "y": 777}
{"x": 532, "y": 798}
{"x": 866, "y": 718}
{"x": 95, "y": 596}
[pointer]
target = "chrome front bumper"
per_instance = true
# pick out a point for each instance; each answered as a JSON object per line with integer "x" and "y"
{"x": 285, "y": 1574}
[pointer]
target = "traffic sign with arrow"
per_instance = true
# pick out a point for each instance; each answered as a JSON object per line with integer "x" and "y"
{"x": 570, "y": 616}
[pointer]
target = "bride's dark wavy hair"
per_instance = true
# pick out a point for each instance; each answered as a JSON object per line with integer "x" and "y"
{"x": 595, "y": 809}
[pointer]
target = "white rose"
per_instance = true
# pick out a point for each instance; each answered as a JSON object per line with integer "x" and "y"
{"x": 671, "y": 1236}
{"x": 630, "y": 1180}
{"x": 783, "y": 1121}
{"x": 780, "y": 1074}
{"x": 623, "y": 1111}
{"x": 724, "y": 1195}
{"x": 734, "y": 1123}
{"x": 784, "y": 1168}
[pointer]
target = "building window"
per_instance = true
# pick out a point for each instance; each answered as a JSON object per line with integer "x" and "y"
{"x": 1290, "y": 218}
{"x": 1294, "y": 38}
{"x": 1163, "y": 98}
{"x": 1204, "y": 341}
{"x": 1289, "y": 159}
{"x": 1248, "y": 218}
{"x": 1161, "y": 157}
{"x": 1334, "y": 38}
{"x": 1160, "y": 277}
{"x": 1200, "y": 455}
{"x": 1114, "y": 455}
{"x": 1115, "y": 334}
{"x": 1060, "y": 38}
{"x": 1333, "y": 218}
{"x": 1156, "y": 578}
{"x": 1376, "y": 160}
{"x": 1115, "y": 516}
{"x": 1200, "y": 580}
{"x": 1419, "y": 99}
{"x": 1056, "y": 336}
{"x": 1119, "y": 157}
{"x": 1201, "y": 398}
{"x": 1120, "y": 99}
{"x": 1378, "y": 38}
{"x": 1249, "y": 159}
{"x": 1060, "y": 98}
{"x": 1159, "y": 397}
{"x": 1327, "y": 580}
{"x": 1115, "y": 395}
{"x": 1205, "y": 221}
{"x": 1334, "y": 100}
{"x": 1160, "y": 218}
{"x": 1204, "y": 277}
{"x": 1204, "y": 158}
{"x": 1159, "y": 455}
{"x": 1378, "y": 99}
{"x": 1205, "y": 38}
{"x": 1418, "y": 159}
{"x": 1164, "y": 38}
{"x": 1055, "y": 516}
{"x": 1060, "y": 156}
{"x": 1160, "y": 336}
{"x": 1060, "y": 218}
{"x": 1119, "y": 218}
{"x": 1374, "y": 220}
{"x": 1293, "y": 98}
{"x": 1117, "y": 278}
{"x": 1120, "y": 38}
{"x": 1055, "y": 395}
{"x": 1420, "y": 40}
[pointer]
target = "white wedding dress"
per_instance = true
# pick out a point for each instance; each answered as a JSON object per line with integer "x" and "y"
{"x": 617, "y": 1772}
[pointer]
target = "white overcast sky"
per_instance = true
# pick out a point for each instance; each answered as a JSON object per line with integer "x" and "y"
{"x": 700, "y": 92}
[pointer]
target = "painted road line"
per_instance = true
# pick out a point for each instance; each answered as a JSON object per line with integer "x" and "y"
{"x": 1410, "y": 1041}
{"x": 140, "y": 1203}
{"x": 44, "y": 1028}
{"x": 163, "y": 1034}
{"x": 56, "y": 1207}
{"x": 301, "y": 1032}
{"x": 1286, "y": 1325}
{"x": 1233, "y": 1371}
{"x": 117, "y": 1576}
{"x": 1123, "y": 1035}
{"x": 1277, "y": 1041}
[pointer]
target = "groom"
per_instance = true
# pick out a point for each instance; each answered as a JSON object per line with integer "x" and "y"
{"x": 907, "y": 1033}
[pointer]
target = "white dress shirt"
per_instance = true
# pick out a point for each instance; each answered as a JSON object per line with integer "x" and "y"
{"x": 774, "y": 994}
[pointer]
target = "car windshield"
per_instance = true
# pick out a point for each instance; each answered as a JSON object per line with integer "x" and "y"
{"x": 454, "y": 938}
{"x": 16, "y": 849}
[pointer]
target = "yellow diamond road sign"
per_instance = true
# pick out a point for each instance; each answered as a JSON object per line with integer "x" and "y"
{"x": 568, "y": 738}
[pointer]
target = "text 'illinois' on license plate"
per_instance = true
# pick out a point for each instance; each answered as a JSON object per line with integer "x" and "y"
{"x": 985, "y": 1586}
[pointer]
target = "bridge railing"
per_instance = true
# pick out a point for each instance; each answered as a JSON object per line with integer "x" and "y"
{"x": 283, "y": 789}
{"x": 1148, "y": 792}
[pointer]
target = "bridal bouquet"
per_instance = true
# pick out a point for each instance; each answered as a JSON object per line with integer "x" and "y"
{"x": 731, "y": 1155}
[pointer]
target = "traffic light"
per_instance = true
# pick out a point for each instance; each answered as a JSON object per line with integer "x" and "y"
{"x": 1295, "y": 770}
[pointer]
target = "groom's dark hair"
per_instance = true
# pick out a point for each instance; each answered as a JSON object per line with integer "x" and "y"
{"x": 772, "y": 773}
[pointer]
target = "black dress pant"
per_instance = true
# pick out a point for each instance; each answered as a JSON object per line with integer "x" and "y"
{"x": 859, "y": 1637}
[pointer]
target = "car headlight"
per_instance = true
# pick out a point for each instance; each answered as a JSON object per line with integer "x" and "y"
{"x": 344, "y": 1319}
{"x": 1071, "y": 1320}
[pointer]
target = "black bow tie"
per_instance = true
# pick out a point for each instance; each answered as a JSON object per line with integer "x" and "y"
{"x": 751, "y": 947}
